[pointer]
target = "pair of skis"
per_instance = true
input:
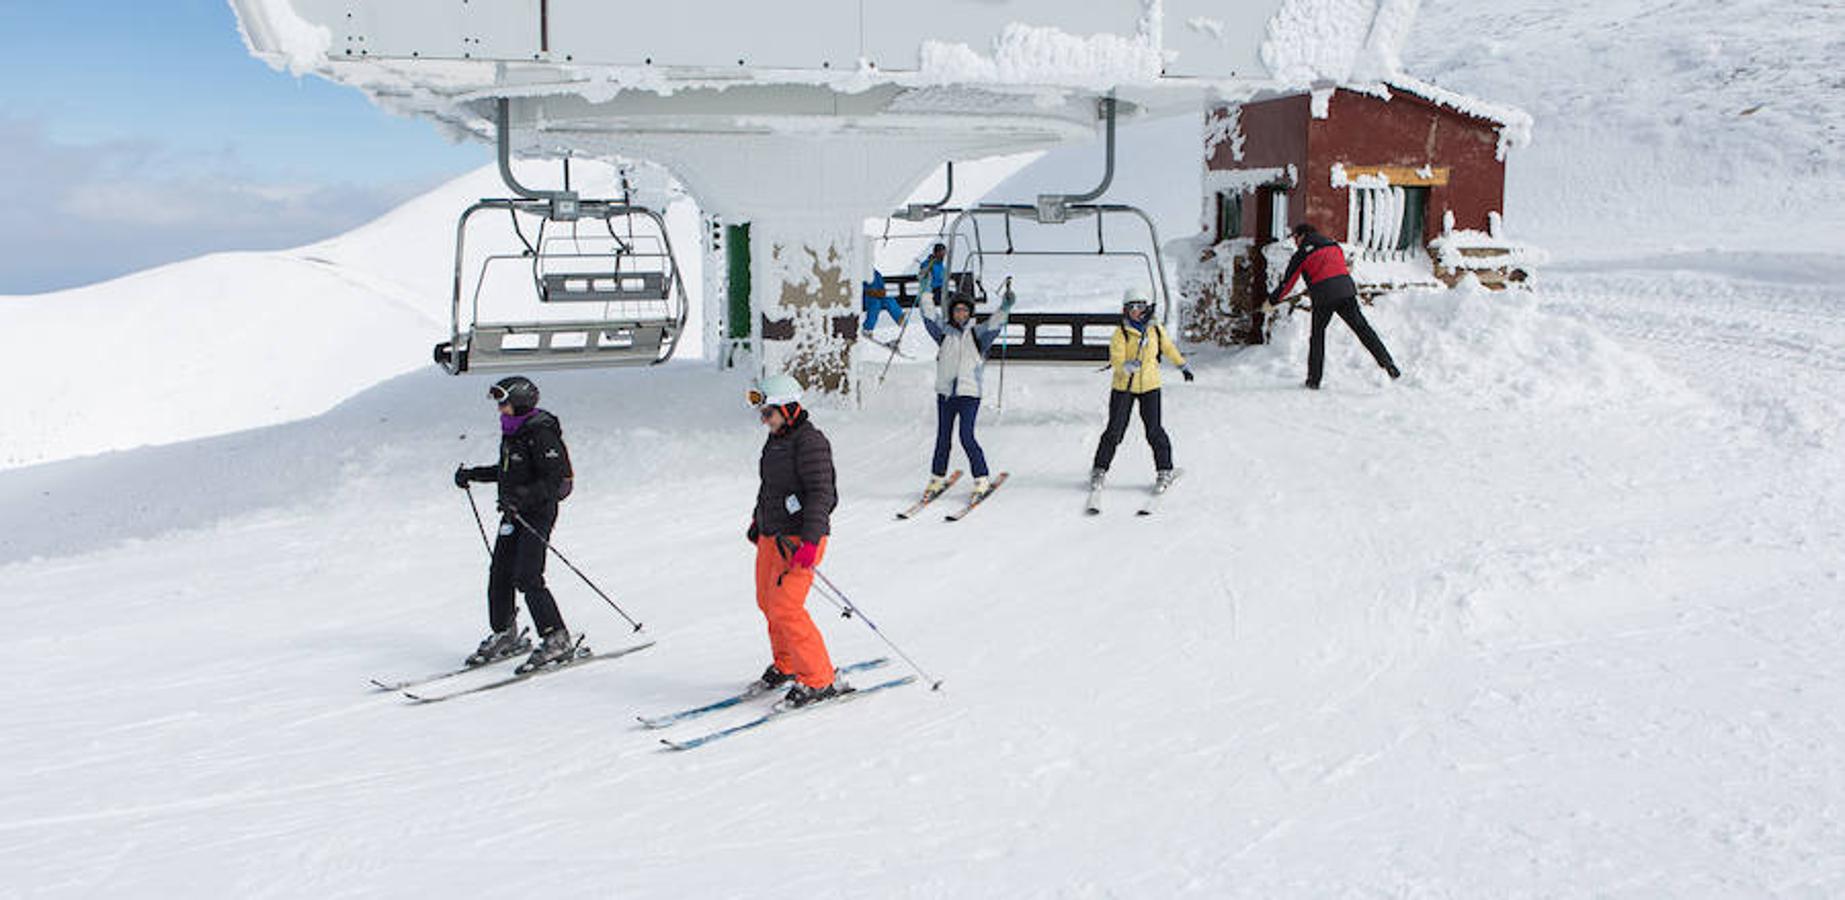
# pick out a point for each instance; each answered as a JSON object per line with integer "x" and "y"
{"x": 583, "y": 656}
{"x": 778, "y": 711}
{"x": 580, "y": 656}
{"x": 973, "y": 501}
{"x": 1150, "y": 506}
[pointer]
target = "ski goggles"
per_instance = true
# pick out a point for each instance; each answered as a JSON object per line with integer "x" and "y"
{"x": 756, "y": 397}
{"x": 499, "y": 395}
{"x": 1134, "y": 306}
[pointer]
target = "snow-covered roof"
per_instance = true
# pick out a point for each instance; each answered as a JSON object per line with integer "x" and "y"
{"x": 1514, "y": 123}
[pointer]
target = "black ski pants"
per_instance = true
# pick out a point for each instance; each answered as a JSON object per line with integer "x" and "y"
{"x": 1345, "y": 308}
{"x": 1120, "y": 407}
{"x": 519, "y": 564}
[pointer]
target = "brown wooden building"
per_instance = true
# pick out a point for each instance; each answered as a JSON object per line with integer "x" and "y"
{"x": 1409, "y": 177}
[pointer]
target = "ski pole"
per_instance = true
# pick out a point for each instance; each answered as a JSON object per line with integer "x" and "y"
{"x": 787, "y": 546}
{"x": 477, "y": 520}
{"x": 1005, "y": 291}
{"x": 566, "y": 561}
{"x": 853, "y": 609}
{"x": 902, "y": 326}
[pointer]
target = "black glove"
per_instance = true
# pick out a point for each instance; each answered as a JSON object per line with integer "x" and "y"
{"x": 461, "y": 476}
{"x": 1187, "y": 372}
{"x": 507, "y": 506}
{"x": 752, "y": 534}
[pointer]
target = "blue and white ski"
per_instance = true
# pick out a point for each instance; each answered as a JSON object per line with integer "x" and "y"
{"x": 745, "y": 695}
{"x": 780, "y": 712}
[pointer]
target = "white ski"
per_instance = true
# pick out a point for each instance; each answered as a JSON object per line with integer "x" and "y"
{"x": 929, "y": 497}
{"x": 1159, "y": 494}
{"x": 977, "y": 498}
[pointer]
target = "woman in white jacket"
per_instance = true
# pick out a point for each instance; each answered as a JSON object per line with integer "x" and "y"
{"x": 960, "y": 361}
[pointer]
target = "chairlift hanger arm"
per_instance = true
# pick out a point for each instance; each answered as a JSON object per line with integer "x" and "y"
{"x": 1050, "y": 201}
{"x": 503, "y": 126}
{"x": 917, "y": 212}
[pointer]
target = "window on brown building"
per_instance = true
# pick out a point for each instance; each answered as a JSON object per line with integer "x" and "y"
{"x": 1229, "y": 215}
{"x": 1388, "y": 219}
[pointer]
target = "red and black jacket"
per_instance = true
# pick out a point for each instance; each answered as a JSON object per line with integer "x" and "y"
{"x": 1322, "y": 263}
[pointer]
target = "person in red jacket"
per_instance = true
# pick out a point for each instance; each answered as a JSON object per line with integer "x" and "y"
{"x": 1319, "y": 260}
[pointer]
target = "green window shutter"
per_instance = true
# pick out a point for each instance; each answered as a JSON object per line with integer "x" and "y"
{"x": 737, "y": 264}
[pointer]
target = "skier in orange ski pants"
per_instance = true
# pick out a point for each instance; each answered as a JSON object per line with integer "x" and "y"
{"x": 781, "y": 594}
{"x": 789, "y": 528}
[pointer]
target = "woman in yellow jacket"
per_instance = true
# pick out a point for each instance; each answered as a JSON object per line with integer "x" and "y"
{"x": 1134, "y": 353}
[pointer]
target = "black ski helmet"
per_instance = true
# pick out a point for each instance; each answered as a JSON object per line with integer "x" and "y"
{"x": 517, "y": 390}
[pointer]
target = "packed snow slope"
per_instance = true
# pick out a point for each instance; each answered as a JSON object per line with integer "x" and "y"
{"x": 1558, "y": 613}
{"x": 1554, "y": 614}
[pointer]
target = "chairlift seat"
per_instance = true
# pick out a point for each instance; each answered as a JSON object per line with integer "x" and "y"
{"x": 603, "y": 287}
{"x": 557, "y": 345}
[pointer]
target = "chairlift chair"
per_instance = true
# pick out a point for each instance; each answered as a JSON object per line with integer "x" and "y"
{"x": 1069, "y": 337}
{"x": 610, "y": 253}
{"x": 1064, "y": 337}
{"x": 636, "y": 282}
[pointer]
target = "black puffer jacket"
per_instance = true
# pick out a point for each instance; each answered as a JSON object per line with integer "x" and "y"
{"x": 798, "y": 492}
{"x": 534, "y": 468}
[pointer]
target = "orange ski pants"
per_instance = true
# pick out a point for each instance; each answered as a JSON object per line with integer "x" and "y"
{"x": 781, "y": 594}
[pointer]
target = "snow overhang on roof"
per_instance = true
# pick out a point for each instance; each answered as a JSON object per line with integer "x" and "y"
{"x": 440, "y": 59}
{"x": 1514, "y": 123}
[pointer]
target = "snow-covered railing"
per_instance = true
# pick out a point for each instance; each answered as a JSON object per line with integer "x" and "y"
{"x": 1492, "y": 258}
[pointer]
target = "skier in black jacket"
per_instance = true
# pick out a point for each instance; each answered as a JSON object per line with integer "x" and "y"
{"x": 533, "y": 475}
{"x": 1319, "y": 259}
{"x": 789, "y": 528}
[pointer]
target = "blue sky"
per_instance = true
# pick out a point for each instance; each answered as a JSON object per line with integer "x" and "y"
{"x": 139, "y": 132}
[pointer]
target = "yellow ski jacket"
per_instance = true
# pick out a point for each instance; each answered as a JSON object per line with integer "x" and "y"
{"x": 1143, "y": 347}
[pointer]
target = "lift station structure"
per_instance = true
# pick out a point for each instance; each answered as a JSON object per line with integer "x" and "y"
{"x": 800, "y": 119}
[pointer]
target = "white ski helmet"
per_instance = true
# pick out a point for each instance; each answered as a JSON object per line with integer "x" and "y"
{"x": 776, "y": 390}
{"x": 1133, "y": 297}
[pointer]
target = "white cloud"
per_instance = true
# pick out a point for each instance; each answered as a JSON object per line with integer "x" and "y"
{"x": 83, "y": 213}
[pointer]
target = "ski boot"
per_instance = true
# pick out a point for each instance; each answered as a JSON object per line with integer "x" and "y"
{"x": 1096, "y": 477}
{"x": 771, "y": 679}
{"x": 500, "y": 645}
{"x": 801, "y": 695}
{"x": 1162, "y": 480}
{"x": 982, "y": 486}
{"x": 937, "y": 484}
{"x": 557, "y": 647}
